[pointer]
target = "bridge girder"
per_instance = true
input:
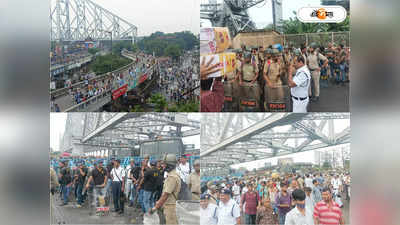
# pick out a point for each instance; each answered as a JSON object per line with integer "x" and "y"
{"x": 77, "y": 20}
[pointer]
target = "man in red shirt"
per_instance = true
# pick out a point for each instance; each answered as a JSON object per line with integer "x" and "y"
{"x": 251, "y": 198}
{"x": 327, "y": 211}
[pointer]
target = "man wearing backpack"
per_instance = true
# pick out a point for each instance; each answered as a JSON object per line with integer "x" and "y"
{"x": 118, "y": 176}
{"x": 283, "y": 202}
{"x": 228, "y": 212}
{"x": 66, "y": 181}
{"x": 251, "y": 198}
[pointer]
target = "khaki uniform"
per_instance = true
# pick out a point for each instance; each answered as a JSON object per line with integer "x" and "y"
{"x": 249, "y": 72}
{"x": 194, "y": 184}
{"x": 249, "y": 90}
{"x": 53, "y": 178}
{"x": 172, "y": 186}
{"x": 273, "y": 72}
{"x": 313, "y": 66}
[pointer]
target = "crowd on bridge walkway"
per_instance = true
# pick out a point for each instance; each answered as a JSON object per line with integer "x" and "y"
{"x": 286, "y": 199}
{"x": 93, "y": 87}
{"x": 177, "y": 80}
{"x": 153, "y": 186}
{"x": 288, "y": 75}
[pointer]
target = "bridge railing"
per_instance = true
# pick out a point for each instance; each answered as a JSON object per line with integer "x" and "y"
{"x": 91, "y": 101}
{"x": 107, "y": 94}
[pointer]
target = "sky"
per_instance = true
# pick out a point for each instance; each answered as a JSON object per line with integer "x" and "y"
{"x": 261, "y": 14}
{"x": 57, "y": 127}
{"x": 157, "y": 15}
{"x": 307, "y": 156}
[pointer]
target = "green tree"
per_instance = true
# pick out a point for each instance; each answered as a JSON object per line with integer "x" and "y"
{"x": 137, "y": 108}
{"x": 326, "y": 165}
{"x": 159, "y": 101}
{"x": 344, "y": 3}
{"x": 135, "y": 47}
{"x": 93, "y": 51}
{"x": 106, "y": 63}
{"x": 173, "y": 51}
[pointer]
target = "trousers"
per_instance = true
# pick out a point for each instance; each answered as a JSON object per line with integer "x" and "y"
{"x": 300, "y": 106}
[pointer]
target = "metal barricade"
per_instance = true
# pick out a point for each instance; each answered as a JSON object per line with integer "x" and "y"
{"x": 188, "y": 212}
{"x": 277, "y": 99}
{"x": 249, "y": 97}
{"x": 231, "y": 97}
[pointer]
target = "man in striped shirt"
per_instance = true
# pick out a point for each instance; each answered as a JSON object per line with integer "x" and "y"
{"x": 327, "y": 211}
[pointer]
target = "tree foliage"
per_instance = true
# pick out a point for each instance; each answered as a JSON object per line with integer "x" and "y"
{"x": 93, "y": 51}
{"x": 344, "y": 3}
{"x": 159, "y": 101}
{"x": 106, "y": 63}
{"x": 295, "y": 26}
{"x": 159, "y": 43}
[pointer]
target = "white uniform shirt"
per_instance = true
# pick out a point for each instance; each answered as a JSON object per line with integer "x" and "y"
{"x": 294, "y": 217}
{"x": 183, "y": 171}
{"x": 207, "y": 215}
{"x": 236, "y": 190}
{"x": 302, "y": 80}
{"x": 224, "y": 212}
{"x": 120, "y": 172}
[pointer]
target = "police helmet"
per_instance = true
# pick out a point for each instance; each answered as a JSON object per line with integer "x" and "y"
{"x": 313, "y": 45}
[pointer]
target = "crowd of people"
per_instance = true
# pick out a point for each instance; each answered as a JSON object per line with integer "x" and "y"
{"x": 291, "y": 199}
{"x": 151, "y": 185}
{"x": 275, "y": 70}
{"x": 92, "y": 87}
{"x": 176, "y": 78}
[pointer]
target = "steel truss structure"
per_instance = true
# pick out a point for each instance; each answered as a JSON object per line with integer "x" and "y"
{"x": 77, "y": 20}
{"x": 115, "y": 131}
{"x": 233, "y": 14}
{"x": 233, "y": 138}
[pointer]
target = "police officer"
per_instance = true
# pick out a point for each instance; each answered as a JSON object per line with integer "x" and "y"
{"x": 299, "y": 85}
{"x": 248, "y": 77}
{"x": 248, "y": 71}
{"x": 194, "y": 181}
{"x": 272, "y": 75}
{"x": 208, "y": 210}
{"x": 254, "y": 56}
{"x": 313, "y": 64}
{"x": 228, "y": 211}
{"x": 171, "y": 188}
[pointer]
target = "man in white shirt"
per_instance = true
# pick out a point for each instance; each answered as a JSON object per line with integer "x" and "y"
{"x": 299, "y": 85}
{"x": 208, "y": 211}
{"x": 117, "y": 176}
{"x": 337, "y": 186}
{"x": 183, "y": 170}
{"x": 236, "y": 192}
{"x": 228, "y": 212}
{"x": 308, "y": 181}
{"x": 300, "y": 215}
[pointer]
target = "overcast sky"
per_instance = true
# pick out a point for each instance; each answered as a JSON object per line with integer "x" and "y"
{"x": 307, "y": 156}
{"x": 261, "y": 14}
{"x": 150, "y": 16}
{"x": 57, "y": 127}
